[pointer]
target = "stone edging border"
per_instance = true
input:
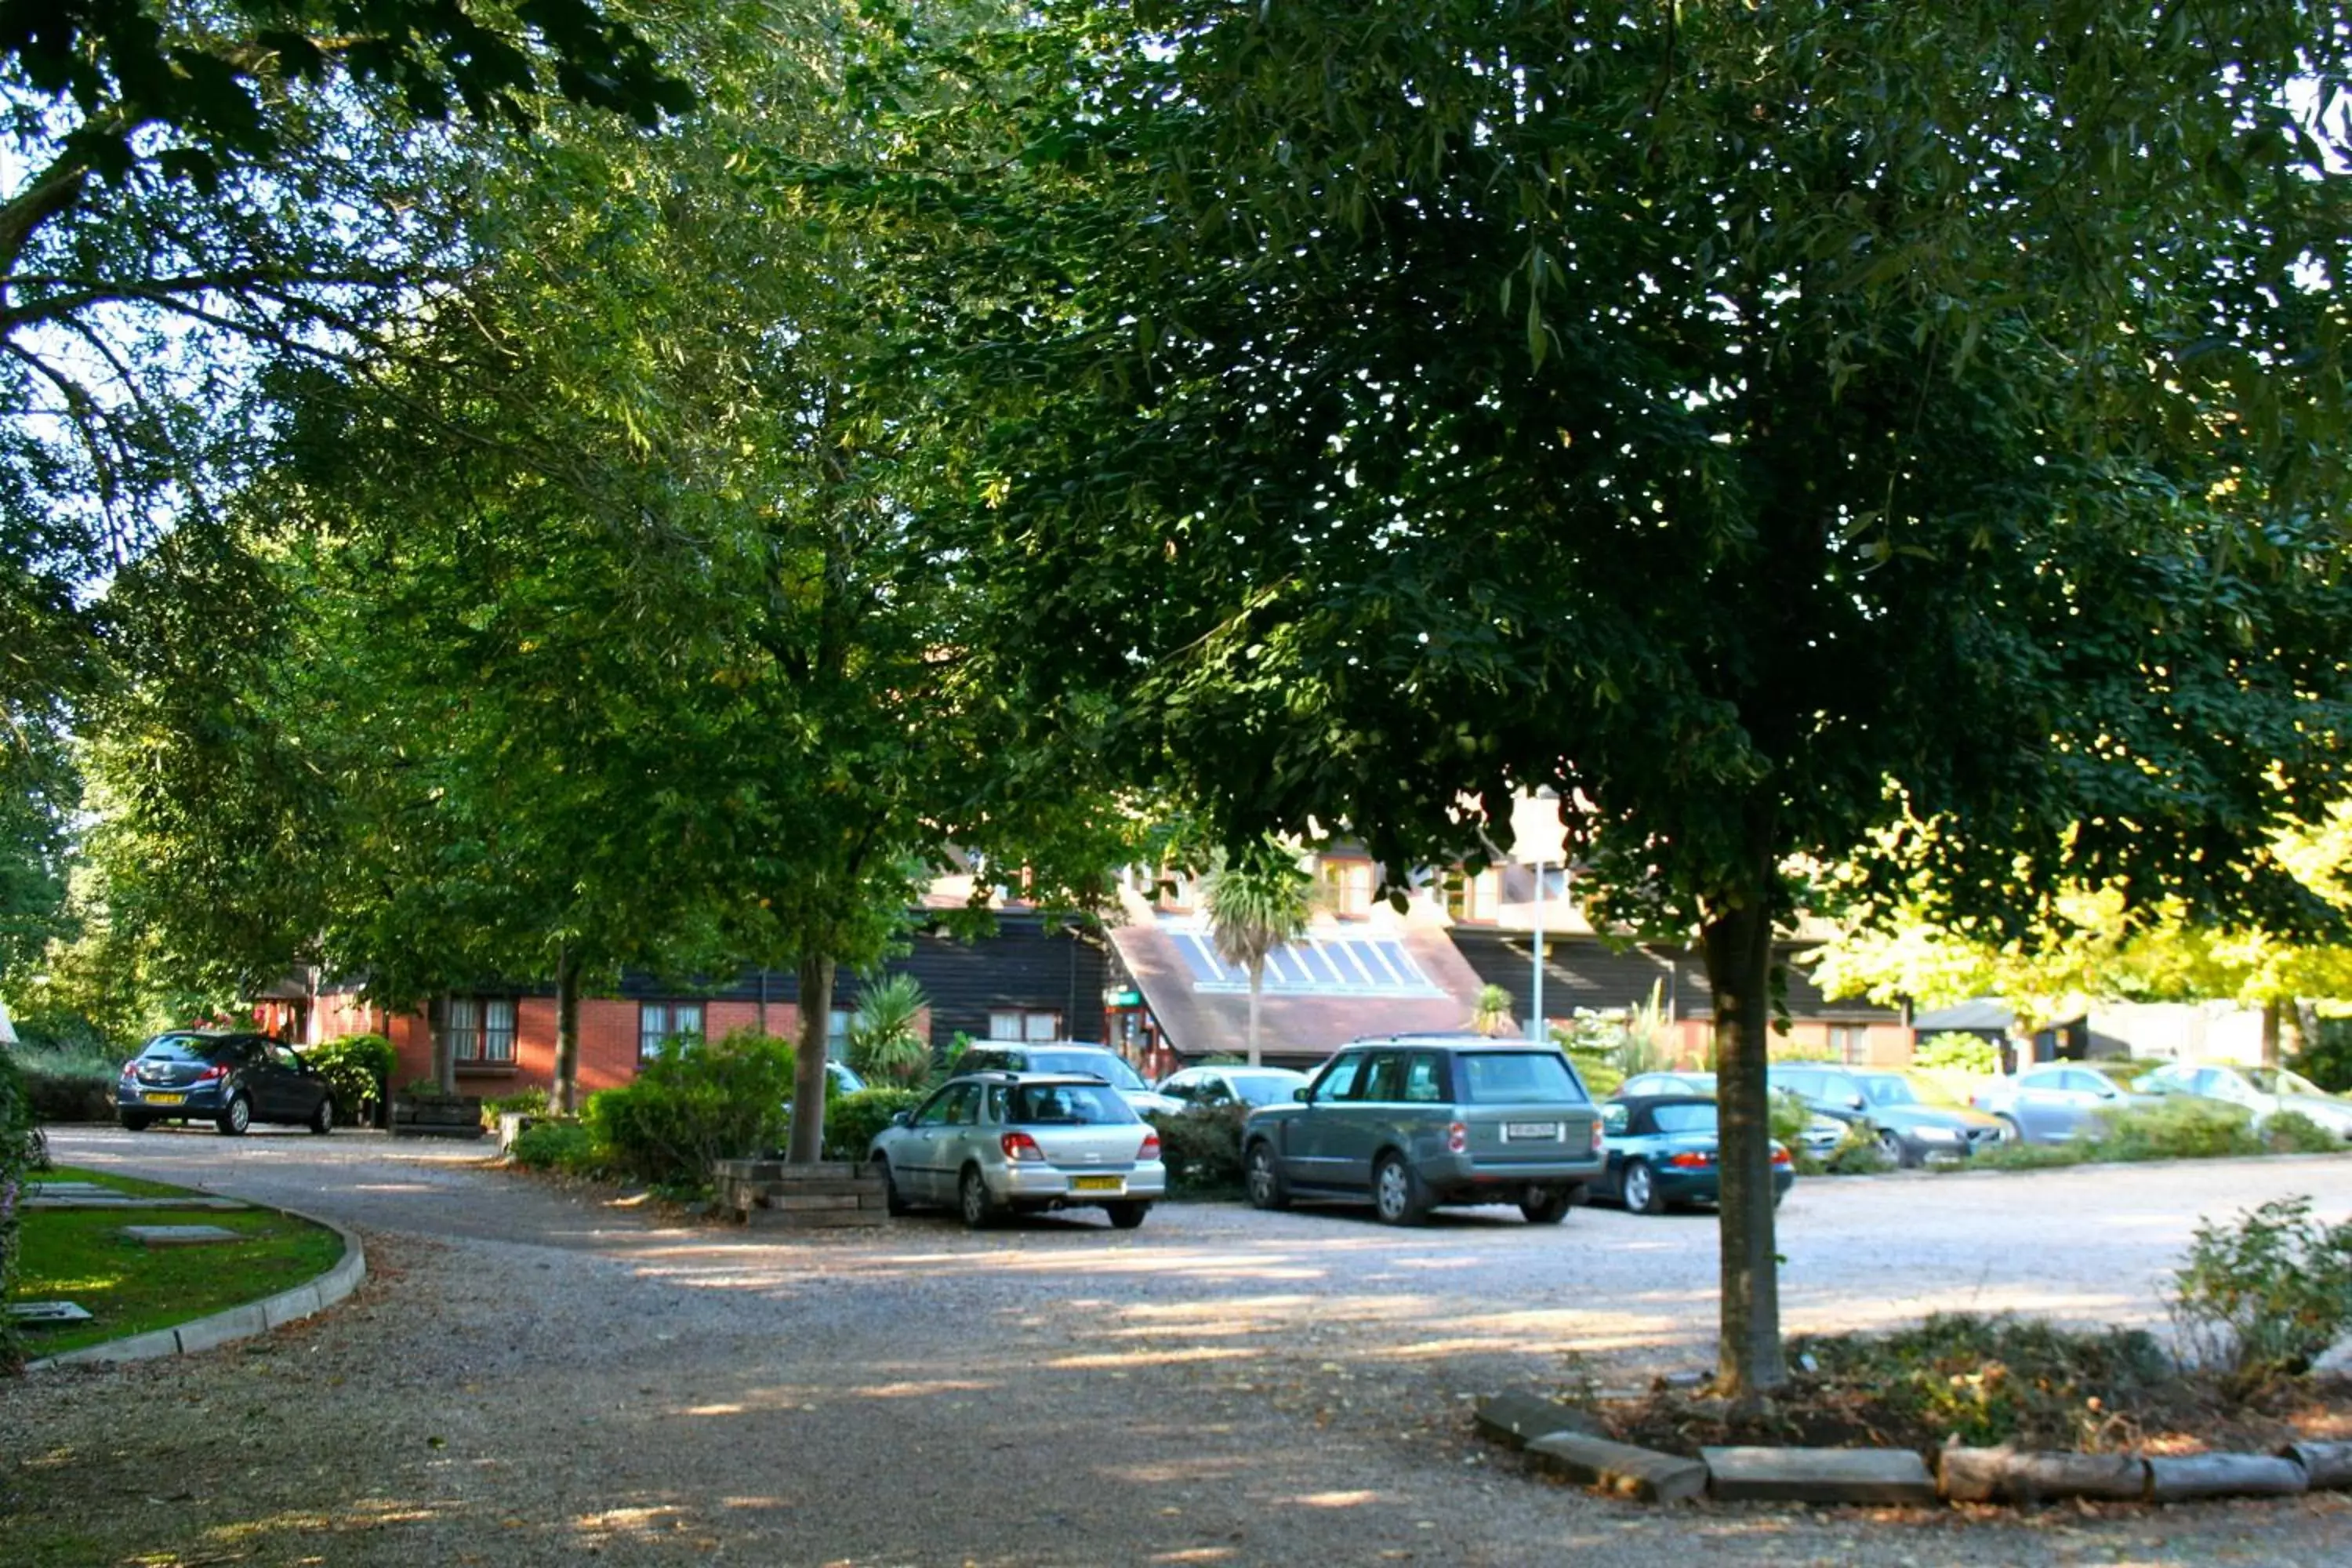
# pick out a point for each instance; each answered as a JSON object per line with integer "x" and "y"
{"x": 1570, "y": 1442}
{"x": 234, "y": 1323}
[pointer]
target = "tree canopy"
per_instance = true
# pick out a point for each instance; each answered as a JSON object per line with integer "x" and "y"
{"x": 1761, "y": 426}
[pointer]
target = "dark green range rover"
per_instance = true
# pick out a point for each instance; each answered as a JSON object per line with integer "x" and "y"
{"x": 1416, "y": 1120}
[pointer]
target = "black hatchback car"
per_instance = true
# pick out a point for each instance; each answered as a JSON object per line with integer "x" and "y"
{"x": 228, "y": 1079}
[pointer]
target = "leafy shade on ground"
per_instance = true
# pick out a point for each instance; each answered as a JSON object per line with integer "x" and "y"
{"x": 83, "y": 1256}
{"x": 1981, "y": 1381}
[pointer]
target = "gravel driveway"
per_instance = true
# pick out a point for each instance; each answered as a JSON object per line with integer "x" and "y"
{"x": 532, "y": 1377}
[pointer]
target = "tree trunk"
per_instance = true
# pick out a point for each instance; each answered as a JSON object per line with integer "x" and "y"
{"x": 2274, "y": 1032}
{"x": 1257, "y": 984}
{"x": 808, "y": 1073}
{"x": 444, "y": 1049}
{"x": 1738, "y": 946}
{"x": 564, "y": 1099}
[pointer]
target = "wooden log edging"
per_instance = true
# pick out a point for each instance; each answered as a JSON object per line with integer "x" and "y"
{"x": 827, "y": 1195}
{"x": 1572, "y": 1444}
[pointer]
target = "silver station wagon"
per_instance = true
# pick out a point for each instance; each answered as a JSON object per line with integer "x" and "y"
{"x": 1422, "y": 1119}
{"x": 997, "y": 1142}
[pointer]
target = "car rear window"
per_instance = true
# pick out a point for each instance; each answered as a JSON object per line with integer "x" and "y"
{"x": 1505, "y": 1078}
{"x": 183, "y": 1048}
{"x": 1057, "y": 1104}
{"x": 1094, "y": 1064}
{"x": 1684, "y": 1118}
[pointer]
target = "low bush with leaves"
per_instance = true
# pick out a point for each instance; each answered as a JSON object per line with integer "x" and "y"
{"x": 694, "y": 1102}
{"x": 2182, "y": 1127}
{"x": 1958, "y": 1051}
{"x": 2292, "y": 1132}
{"x": 71, "y": 1082}
{"x": 852, "y": 1120}
{"x": 1601, "y": 1075}
{"x": 358, "y": 1070}
{"x": 530, "y": 1101}
{"x": 1988, "y": 1380}
{"x": 1856, "y": 1154}
{"x": 1202, "y": 1148}
{"x": 2262, "y": 1297}
{"x": 564, "y": 1146}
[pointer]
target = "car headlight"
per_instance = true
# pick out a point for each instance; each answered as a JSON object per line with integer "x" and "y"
{"x": 1934, "y": 1134}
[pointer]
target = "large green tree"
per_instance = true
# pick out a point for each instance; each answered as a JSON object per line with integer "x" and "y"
{"x": 1754, "y": 423}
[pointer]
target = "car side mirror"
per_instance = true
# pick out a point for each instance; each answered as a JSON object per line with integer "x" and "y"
{"x": 1851, "y": 1102}
{"x": 901, "y": 1118}
{"x": 1301, "y": 1094}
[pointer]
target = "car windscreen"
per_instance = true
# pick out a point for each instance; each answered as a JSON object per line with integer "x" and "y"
{"x": 1509, "y": 1077}
{"x": 1896, "y": 1089}
{"x": 1094, "y": 1063}
{"x": 1684, "y": 1118}
{"x": 1262, "y": 1088}
{"x": 1057, "y": 1105}
{"x": 182, "y": 1048}
{"x": 2278, "y": 1081}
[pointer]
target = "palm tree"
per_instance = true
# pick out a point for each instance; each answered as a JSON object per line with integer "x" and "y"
{"x": 1257, "y": 900}
{"x": 1493, "y": 1015}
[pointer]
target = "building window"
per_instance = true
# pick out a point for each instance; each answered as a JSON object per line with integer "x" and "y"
{"x": 1019, "y": 1024}
{"x": 1348, "y": 887}
{"x": 1850, "y": 1044}
{"x": 836, "y": 1033}
{"x": 482, "y": 1029}
{"x": 657, "y": 1021}
{"x": 1477, "y": 899}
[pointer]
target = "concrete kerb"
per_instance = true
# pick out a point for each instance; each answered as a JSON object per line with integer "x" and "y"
{"x": 238, "y": 1322}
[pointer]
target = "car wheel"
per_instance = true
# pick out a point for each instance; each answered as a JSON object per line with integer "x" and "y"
{"x": 236, "y": 1117}
{"x": 133, "y": 1123}
{"x": 1641, "y": 1189}
{"x": 1263, "y": 1175}
{"x": 894, "y": 1201}
{"x": 1547, "y": 1205}
{"x": 1397, "y": 1194}
{"x": 972, "y": 1200}
{"x": 1890, "y": 1149}
{"x": 2010, "y": 1132}
{"x": 323, "y": 1119}
{"x": 1127, "y": 1215}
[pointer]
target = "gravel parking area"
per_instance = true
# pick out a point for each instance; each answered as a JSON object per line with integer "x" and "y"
{"x": 532, "y": 1375}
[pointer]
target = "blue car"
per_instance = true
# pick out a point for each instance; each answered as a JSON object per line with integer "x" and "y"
{"x": 1661, "y": 1153}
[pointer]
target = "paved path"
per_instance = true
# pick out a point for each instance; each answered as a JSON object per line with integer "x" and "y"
{"x": 532, "y": 1374}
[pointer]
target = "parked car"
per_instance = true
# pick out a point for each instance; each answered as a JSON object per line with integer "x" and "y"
{"x": 1417, "y": 1121}
{"x": 1208, "y": 1087}
{"x": 990, "y": 1143}
{"x": 2262, "y": 1091}
{"x": 2053, "y": 1103}
{"x": 840, "y": 1077}
{"x": 1661, "y": 1151}
{"x": 231, "y": 1080}
{"x": 1914, "y": 1121}
{"x": 1066, "y": 1057}
{"x": 1820, "y": 1139}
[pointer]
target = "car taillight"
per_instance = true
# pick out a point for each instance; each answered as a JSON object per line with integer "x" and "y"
{"x": 1690, "y": 1159}
{"x": 218, "y": 1070}
{"x": 1151, "y": 1150}
{"x": 1457, "y": 1136}
{"x": 1021, "y": 1146}
{"x": 1596, "y": 1138}
{"x": 130, "y": 1069}
{"x": 1779, "y": 1156}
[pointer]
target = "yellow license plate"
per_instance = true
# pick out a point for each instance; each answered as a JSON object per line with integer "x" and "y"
{"x": 165, "y": 1098}
{"x": 1098, "y": 1183}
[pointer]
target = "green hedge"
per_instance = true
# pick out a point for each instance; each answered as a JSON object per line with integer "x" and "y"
{"x": 358, "y": 1070}
{"x": 852, "y": 1120}
{"x": 564, "y": 1146}
{"x": 692, "y": 1103}
{"x": 17, "y": 1159}
{"x": 1202, "y": 1149}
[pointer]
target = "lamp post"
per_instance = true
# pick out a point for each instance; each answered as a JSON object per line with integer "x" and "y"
{"x": 1537, "y": 838}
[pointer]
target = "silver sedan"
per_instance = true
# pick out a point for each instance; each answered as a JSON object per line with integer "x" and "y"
{"x": 997, "y": 1142}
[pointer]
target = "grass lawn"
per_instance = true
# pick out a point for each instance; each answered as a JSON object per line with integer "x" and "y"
{"x": 83, "y": 1256}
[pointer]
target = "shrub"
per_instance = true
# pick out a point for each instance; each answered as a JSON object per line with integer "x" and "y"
{"x": 2027, "y": 1157}
{"x": 852, "y": 1120}
{"x": 1790, "y": 1117}
{"x": 1857, "y": 1154}
{"x": 694, "y": 1102}
{"x": 2327, "y": 1055}
{"x": 2265, "y": 1298}
{"x": 1998, "y": 1380}
{"x": 1202, "y": 1148}
{"x": 884, "y": 1047}
{"x": 2292, "y": 1132}
{"x": 2183, "y": 1128}
{"x": 358, "y": 1070}
{"x": 17, "y": 1161}
{"x": 68, "y": 1082}
{"x": 1960, "y": 1051}
{"x": 564, "y": 1146}
{"x": 532, "y": 1102}
{"x": 1602, "y": 1077}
